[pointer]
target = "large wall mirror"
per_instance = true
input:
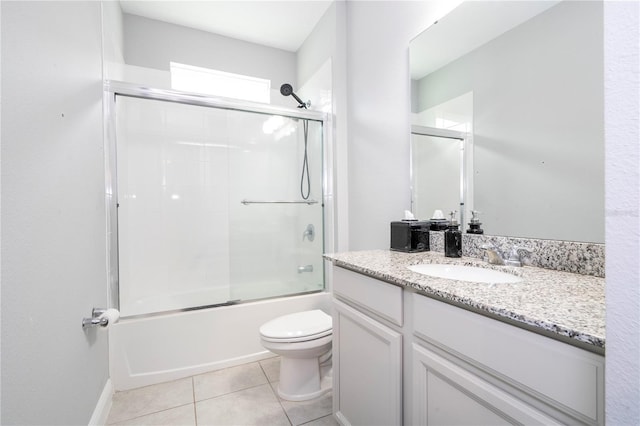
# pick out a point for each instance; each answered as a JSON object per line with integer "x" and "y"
{"x": 524, "y": 81}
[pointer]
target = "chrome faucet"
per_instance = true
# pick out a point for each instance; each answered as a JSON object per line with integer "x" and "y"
{"x": 493, "y": 255}
{"x": 514, "y": 258}
{"x": 305, "y": 268}
{"x": 309, "y": 232}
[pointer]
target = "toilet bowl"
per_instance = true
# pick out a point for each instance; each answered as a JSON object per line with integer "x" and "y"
{"x": 303, "y": 341}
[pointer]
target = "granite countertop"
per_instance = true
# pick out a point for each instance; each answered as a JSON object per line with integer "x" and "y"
{"x": 558, "y": 304}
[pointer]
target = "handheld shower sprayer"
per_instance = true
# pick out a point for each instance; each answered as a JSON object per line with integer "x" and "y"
{"x": 287, "y": 89}
{"x": 305, "y": 190}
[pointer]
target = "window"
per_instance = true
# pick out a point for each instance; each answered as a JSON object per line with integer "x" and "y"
{"x": 218, "y": 83}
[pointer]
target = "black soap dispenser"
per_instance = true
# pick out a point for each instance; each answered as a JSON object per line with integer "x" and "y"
{"x": 474, "y": 224}
{"x": 453, "y": 238}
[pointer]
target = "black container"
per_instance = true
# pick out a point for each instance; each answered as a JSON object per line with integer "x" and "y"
{"x": 453, "y": 241}
{"x": 439, "y": 224}
{"x": 410, "y": 236}
{"x": 474, "y": 228}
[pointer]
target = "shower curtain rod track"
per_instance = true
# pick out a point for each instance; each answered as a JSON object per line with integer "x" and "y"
{"x": 145, "y": 92}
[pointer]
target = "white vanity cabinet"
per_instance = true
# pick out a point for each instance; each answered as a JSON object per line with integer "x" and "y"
{"x": 367, "y": 348}
{"x": 496, "y": 369}
{"x": 458, "y": 367}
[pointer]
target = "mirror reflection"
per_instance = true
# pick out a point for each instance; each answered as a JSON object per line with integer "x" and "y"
{"x": 527, "y": 87}
{"x": 437, "y": 170}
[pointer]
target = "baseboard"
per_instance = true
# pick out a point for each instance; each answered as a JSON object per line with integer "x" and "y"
{"x": 101, "y": 412}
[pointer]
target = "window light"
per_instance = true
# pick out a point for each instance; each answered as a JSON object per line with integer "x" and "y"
{"x": 218, "y": 83}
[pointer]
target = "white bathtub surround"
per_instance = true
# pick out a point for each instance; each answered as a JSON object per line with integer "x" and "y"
{"x": 160, "y": 348}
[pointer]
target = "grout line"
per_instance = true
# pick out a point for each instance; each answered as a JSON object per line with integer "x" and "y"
{"x": 281, "y": 406}
{"x": 273, "y": 391}
{"x": 148, "y": 414}
{"x": 232, "y": 392}
{"x": 195, "y": 412}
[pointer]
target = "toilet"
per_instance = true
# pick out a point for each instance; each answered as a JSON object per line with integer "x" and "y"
{"x": 303, "y": 341}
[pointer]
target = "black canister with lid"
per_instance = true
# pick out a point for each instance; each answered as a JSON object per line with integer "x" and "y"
{"x": 453, "y": 239}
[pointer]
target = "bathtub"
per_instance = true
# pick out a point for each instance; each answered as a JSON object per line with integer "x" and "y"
{"x": 160, "y": 348}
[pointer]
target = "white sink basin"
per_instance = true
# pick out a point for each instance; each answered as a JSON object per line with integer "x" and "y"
{"x": 465, "y": 273}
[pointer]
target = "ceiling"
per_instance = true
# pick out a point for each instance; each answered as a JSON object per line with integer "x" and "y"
{"x": 280, "y": 24}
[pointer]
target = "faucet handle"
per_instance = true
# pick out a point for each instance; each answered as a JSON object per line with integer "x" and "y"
{"x": 493, "y": 255}
{"x": 515, "y": 256}
{"x": 309, "y": 232}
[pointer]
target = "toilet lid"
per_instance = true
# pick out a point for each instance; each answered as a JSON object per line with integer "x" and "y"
{"x": 311, "y": 324}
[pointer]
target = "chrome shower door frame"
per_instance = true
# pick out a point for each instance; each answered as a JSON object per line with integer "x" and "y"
{"x": 118, "y": 88}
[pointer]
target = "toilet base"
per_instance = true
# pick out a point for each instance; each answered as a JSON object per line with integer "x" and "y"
{"x": 310, "y": 380}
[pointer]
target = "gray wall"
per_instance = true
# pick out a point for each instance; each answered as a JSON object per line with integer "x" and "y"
{"x": 538, "y": 124}
{"x": 53, "y": 212}
{"x": 153, "y": 44}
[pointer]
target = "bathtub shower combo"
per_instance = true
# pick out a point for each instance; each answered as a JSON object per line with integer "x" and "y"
{"x": 212, "y": 204}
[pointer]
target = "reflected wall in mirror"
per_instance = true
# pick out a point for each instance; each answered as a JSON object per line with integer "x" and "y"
{"x": 527, "y": 84}
{"x": 438, "y": 174}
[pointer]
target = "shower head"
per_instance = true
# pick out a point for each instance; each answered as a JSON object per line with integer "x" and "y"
{"x": 287, "y": 89}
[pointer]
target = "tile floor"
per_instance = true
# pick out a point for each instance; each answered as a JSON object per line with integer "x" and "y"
{"x": 239, "y": 396}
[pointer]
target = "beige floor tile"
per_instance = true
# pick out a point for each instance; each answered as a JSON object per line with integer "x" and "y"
{"x": 324, "y": 421}
{"x": 180, "y": 416}
{"x": 301, "y": 412}
{"x": 271, "y": 368}
{"x": 221, "y": 382}
{"x": 150, "y": 399}
{"x": 254, "y": 406}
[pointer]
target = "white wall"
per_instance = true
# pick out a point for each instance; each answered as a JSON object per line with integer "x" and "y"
{"x": 153, "y": 44}
{"x": 379, "y": 110}
{"x": 622, "y": 186}
{"x": 324, "y": 51}
{"x": 112, "y": 32}
{"x": 53, "y": 216}
{"x": 319, "y": 46}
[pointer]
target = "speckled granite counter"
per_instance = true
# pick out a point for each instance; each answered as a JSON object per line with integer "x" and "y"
{"x": 558, "y": 304}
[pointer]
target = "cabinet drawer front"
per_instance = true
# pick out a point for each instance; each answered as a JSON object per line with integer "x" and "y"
{"x": 380, "y": 298}
{"x": 562, "y": 375}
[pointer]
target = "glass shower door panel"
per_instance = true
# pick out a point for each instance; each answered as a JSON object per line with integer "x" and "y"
{"x": 172, "y": 215}
{"x": 273, "y": 251}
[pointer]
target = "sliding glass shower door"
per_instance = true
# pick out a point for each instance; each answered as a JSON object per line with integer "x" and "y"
{"x": 215, "y": 205}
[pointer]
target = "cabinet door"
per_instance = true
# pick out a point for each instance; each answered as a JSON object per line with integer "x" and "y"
{"x": 367, "y": 362}
{"x": 446, "y": 394}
